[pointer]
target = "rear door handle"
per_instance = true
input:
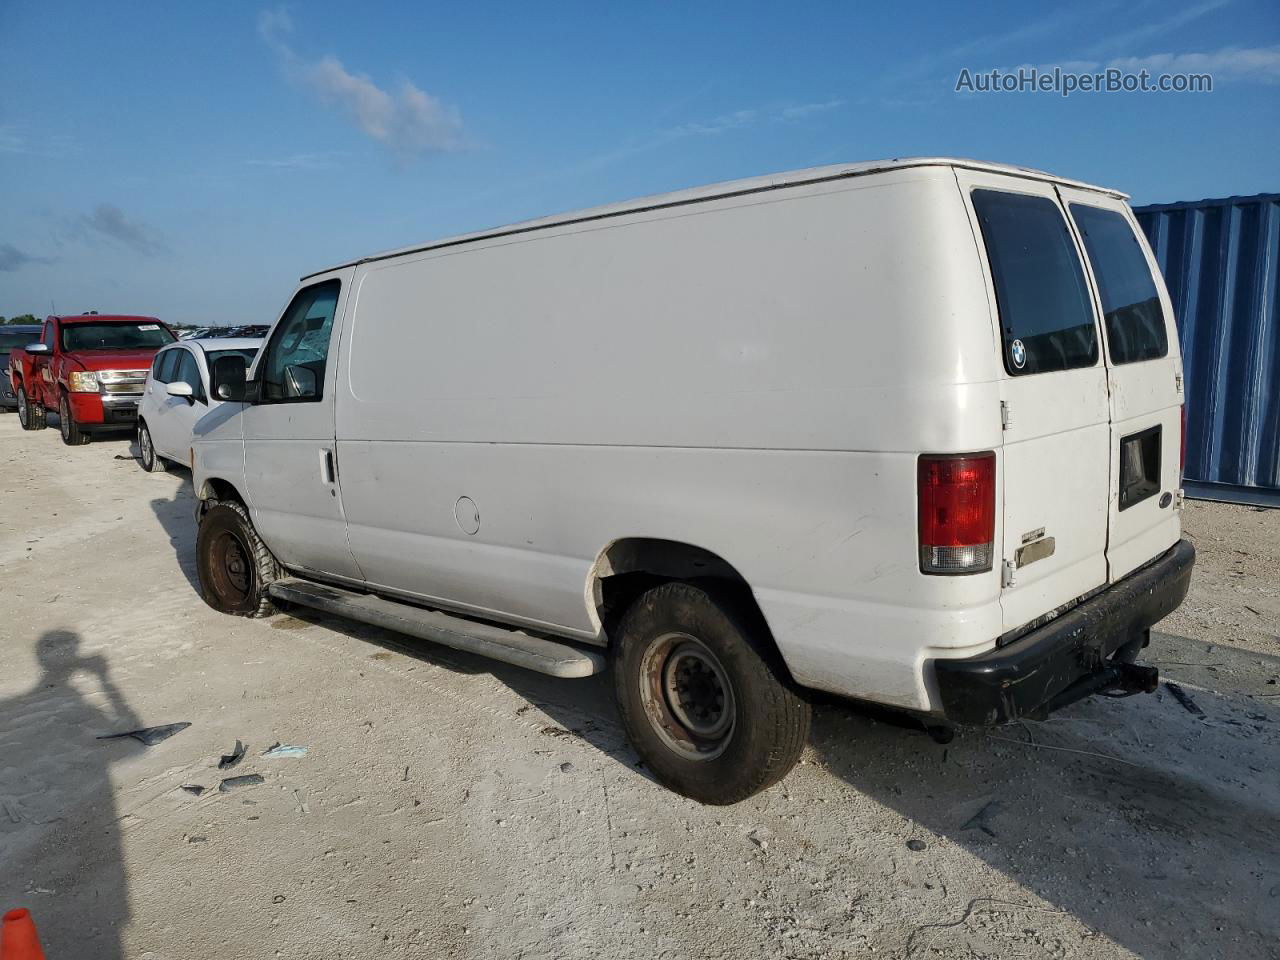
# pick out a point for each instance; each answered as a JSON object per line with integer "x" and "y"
{"x": 326, "y": 466}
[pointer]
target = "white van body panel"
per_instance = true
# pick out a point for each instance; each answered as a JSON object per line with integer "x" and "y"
{"x": 753, "y": 369}
{"x": 739, "y": 375}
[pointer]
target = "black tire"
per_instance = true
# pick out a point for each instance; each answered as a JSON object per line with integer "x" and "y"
{"x": 234, "y": 565}
{"x": 685, "y": 663}
{"x": 72, "y": 435}
{"x": 151, "y": 461}
{"x": 30, "y": 415}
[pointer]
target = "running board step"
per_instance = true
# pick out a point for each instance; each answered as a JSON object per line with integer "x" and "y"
{"x": 534, "y": 653}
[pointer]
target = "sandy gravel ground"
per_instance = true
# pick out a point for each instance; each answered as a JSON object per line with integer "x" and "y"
{"x": 447, "y": 807}
{"x": 1236, "y": 597}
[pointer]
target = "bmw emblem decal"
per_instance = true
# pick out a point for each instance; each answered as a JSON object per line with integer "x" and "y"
{"x": 1019, "y": 354}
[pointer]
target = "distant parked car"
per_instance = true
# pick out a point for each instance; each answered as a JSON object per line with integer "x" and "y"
{"x": 176, "y": 395}
{"x": 89, "y": 369}
{"x": 13, "y": 337}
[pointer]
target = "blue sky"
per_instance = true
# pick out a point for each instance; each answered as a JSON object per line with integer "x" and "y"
{"x": 192, "y": 160}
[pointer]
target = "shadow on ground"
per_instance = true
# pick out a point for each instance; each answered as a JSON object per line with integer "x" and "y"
{"x": 56, "y": 791}
{"x": 177, "y": 515}
{"x": 1116, "y": 812}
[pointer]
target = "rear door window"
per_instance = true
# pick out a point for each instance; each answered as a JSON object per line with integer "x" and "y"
{"x": 1046, "y": 317}
{"x": 1130, "y": 301}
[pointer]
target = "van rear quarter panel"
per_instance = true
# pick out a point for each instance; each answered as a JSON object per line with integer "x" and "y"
{"x": 753, "y": 375}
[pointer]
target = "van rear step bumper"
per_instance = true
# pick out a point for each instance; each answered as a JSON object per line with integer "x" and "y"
{"x": 1070, "y": 657}
{"x": 534, "y": 653}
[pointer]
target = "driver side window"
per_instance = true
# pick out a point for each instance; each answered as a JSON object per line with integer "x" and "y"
{"x": 293, "y": 369}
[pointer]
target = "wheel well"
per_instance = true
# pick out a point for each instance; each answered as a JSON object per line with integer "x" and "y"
{"x": 627, "y": 568}
{"x": 215, "y": 488}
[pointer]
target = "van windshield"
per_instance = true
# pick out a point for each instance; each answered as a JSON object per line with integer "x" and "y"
{"x": 114, "y": 336}
{"x": 1045, "y": 311}
{"x": 1130, "y": 302}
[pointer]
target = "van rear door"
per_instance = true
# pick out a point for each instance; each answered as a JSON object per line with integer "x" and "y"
{"x": 1056, "y": 457}
{"x": 1144, "y": 372}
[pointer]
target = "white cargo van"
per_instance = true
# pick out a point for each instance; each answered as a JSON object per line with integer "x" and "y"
{"x": 906, "y": 432}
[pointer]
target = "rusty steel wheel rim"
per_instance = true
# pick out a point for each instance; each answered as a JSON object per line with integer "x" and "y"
{"x": 687, "y": 696}
{"x": 230, "y": 568}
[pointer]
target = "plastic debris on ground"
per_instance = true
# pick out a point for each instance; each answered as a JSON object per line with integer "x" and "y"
{"x": 235, "y": 783}
{"x": 229, "y": 760}
{"x": 286, "y": 750}
{"x": 148, "y": 736}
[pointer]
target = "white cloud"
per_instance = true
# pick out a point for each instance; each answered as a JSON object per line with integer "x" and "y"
{"x": 809, "y": 109}
{"x": 739, "y": 119}
{"x": 408, "y": 121}
{"x": 1257, "y": 63}
{"x": 1260, "y": 64}
{"x": 1130, "y": 38}
{"x": 296, "y": 161}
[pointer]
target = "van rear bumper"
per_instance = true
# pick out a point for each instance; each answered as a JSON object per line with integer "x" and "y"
{"x": 1067, "y": 658}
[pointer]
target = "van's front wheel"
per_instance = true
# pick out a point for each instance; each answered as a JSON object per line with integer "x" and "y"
{"x": 234, "y": 565}
{"x": 704, "y": 697}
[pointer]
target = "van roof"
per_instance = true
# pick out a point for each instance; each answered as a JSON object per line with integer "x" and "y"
{"x": 729, "y": 188}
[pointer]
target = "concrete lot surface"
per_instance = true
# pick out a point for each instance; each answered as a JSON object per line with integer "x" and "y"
{"x": 448, "y": 807}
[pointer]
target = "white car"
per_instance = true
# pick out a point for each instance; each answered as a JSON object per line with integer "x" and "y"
{"x": 905, "y": 432}
{"x": 176, "y": 395}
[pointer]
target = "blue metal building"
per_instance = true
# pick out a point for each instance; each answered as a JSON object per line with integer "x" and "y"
{"x": 1221, "y": 263}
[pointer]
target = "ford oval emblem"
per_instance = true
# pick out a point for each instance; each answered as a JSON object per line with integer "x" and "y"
{"x": 1165, "y": 500}
{"x": 1018, "y": 353}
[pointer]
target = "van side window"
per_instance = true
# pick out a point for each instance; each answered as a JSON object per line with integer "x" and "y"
{"x": 1045, "y": 311}
{"x": 1130, "y": 301}
{"x": 293, "y": 369}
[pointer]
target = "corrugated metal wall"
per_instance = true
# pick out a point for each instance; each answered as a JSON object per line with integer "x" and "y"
{"x": 1221, "y": 262}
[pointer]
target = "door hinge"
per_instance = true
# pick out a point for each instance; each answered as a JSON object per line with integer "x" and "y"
{"x": 1006, "y": 415}
{"x": 1177, "y": 382}
{"x": 1006, "y": 573}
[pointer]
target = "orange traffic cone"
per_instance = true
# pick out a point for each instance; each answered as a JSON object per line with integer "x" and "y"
{"x": 18, "y": 939}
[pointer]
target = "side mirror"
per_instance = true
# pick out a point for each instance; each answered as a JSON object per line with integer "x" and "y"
{"x": 37, "y": 349}
{"x": 180, "y": 388}
{"x": 227, "y": 378}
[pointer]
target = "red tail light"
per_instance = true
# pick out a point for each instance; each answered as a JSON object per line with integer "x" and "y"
{"x": 957, "y": 504}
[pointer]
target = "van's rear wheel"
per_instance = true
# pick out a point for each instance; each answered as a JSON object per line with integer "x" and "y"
{"x": 72, "y": 435}
{"x": 151, "y": 461}
{"x": 30, "y": 415}
{"x": 234, "y": 565}
{"x": 704, "y": 697}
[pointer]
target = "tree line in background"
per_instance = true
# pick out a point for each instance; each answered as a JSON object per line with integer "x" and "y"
{"x": 21, "y": 318}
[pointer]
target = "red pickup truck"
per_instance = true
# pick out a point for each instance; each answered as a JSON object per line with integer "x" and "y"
{"x": 89, "y": 369}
